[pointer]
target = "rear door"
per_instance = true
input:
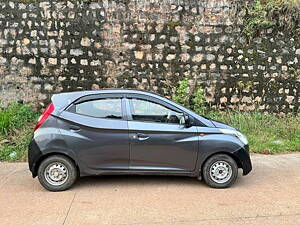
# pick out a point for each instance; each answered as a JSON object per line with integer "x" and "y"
{"x": 96, "y": 129}
{"x": 157, "y": 140}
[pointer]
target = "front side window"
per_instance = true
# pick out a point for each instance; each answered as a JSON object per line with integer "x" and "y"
{"x": 144, "y": 110}
{"x": 101, "y": 108}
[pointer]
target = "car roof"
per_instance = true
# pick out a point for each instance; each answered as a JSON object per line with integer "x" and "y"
{"x": 111, "y": 91}
{"x": 115, "y": 90}
{"x": 61, "y": 100}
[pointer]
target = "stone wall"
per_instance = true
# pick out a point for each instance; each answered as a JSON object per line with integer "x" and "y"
{"x": 50, "y": 47}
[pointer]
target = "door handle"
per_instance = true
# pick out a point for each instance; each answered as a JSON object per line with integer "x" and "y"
{"x": 74, "y": 128}
{"x": 140, "y": 137}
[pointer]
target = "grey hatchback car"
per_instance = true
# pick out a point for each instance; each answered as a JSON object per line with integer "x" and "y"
{"x": 107, "y": 132}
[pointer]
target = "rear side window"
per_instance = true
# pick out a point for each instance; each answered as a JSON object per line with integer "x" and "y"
{"x": 101, "y": 108}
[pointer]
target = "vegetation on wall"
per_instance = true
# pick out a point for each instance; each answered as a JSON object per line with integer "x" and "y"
{"x": 191, "y": 96}
{"x": 280, "y": 15}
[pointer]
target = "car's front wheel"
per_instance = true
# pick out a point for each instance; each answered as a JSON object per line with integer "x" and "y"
{"x": 57, "y": 173}
{"x": 220, "y": 171}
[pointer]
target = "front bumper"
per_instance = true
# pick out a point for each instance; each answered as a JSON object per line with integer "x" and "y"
{"x": 243, "y": 156}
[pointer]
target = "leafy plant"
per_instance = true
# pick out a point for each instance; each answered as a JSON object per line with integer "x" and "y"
{"x": 181, "y": 95}
{"x": 191, "y": 96}
{"x": 256, "y": 20}
{"x": 199, "y": 101}
{"x": 5, "y": 122}
{"x": 281, "y": 15}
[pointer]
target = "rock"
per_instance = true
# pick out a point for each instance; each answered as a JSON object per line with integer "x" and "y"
{"x": 95, "y": 87}
{"x": 223, "y": 100}
{"x": 76, "y": 52}
{"x": 2, "y": 60}
{"x": 185, "y": 57}
{"x": 25, "y": 41}
{"x": 64, "y": 61}
{"x": 138, "y": 54}
{"x": 289, "y": 99}
{"x": 284, "y": 68}
{"x": 48, "y": 87}
{"x": 279, "y": 59}
{"x": 97, "y": 45}
{"x": 84, "y": 62}
{"x": 210, "y": 57}
{"x": 160, "y": 46}
{"x": 52, "y": 61}
{"x": 95, "y": 63}
{"x": 32, "y": 61}
{"x": 85, "y": 42}
{"x": 223, "y": 67}
{"x": 170, "y": 57}
{"x": 61, "y": 78}
{"x": 152, "y": 37}
{"x": 198, "y": 58}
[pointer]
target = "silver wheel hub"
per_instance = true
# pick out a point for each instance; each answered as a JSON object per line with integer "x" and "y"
{"x": 56, "y": 173}
{"x": 220, "y": 172}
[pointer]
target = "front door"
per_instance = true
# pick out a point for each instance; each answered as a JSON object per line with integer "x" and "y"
{"x": 157, "y": 139}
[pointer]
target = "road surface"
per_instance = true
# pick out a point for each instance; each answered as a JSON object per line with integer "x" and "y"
{"x": 270, "y": 194}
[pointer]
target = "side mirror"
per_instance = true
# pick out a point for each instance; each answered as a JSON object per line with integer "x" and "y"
{"x": 186, "y": 121}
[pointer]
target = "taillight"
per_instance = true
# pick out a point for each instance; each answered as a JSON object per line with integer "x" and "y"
{"x": 44, "y": 116}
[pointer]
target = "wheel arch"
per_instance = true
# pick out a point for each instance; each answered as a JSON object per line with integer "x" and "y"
{"x": 236, "y": 159}
{"x": 43, "y": 157}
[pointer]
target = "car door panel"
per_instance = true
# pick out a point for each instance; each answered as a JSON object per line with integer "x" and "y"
{"x": 163, "y": 147}
{"x": 156, "y": 145}
{"x": 99, "y": 143}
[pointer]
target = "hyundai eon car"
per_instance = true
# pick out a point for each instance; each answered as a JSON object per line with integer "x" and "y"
{"x": 108, "y": 132}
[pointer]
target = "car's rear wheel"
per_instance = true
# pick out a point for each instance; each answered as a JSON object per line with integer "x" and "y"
{"x": 57, "y": 173}
{"x": 220, "y": 171}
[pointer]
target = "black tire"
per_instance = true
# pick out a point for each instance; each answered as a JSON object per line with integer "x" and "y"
{"x": 61, "y": 160}
{"x": 209, "y": 177}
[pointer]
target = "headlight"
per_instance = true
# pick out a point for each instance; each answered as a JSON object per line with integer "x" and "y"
{"x": 237, "y": 134}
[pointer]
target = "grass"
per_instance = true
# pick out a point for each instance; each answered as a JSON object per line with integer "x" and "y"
{"x": 15, "y": 148}
{"x": 15, "y": 116}
{"x": 16, "y": 127}
{"x": 268, "y": 134}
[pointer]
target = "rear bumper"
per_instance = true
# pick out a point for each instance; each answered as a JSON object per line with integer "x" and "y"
{"x": 244, "y": 158}
{"x": 34, "y": 154}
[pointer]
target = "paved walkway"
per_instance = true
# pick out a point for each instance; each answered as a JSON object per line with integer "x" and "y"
{"x": 268, "y": 195}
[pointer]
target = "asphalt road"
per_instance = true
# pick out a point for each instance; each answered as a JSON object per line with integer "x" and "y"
{"x": 268, "y": 195}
